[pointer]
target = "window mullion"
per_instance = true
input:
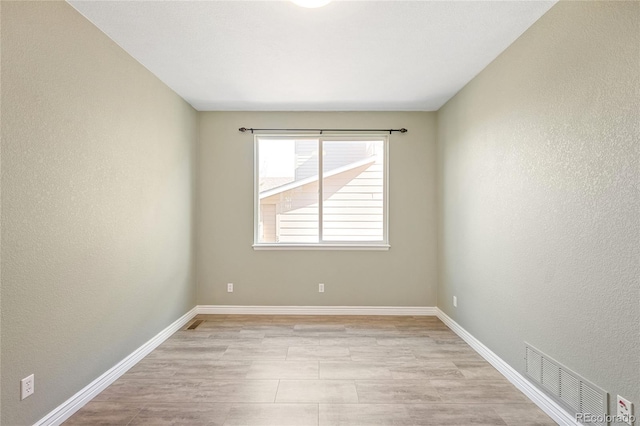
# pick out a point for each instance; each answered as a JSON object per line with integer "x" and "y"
{"x": 320, "y": 191}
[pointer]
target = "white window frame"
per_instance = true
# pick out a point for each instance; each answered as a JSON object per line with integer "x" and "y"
{"x": 322, "y": 245}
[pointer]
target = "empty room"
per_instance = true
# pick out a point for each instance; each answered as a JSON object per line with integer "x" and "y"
{"x": 320, "y": 213}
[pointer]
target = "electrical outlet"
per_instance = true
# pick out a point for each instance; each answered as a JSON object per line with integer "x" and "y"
{"x": 625, "y": 410}
{"x": 27, "y": 386}
{"x": 455, "y": 302}
{"x": 230, "y": 288}
{"x": 321, "y": 288}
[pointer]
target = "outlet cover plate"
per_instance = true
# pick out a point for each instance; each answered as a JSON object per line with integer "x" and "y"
{"x": 27, "y": 386}
{"x": 230, "y": 288}
{"x": 624, "y": 410}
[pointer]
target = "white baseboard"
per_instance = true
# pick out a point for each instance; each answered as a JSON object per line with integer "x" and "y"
{"x": 77, "y": 401}
{"x": 548, "y": 405}
{"x": 317, "y": 310}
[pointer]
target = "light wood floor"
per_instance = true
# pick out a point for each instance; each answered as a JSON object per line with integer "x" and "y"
{"x": 305, "y": 370}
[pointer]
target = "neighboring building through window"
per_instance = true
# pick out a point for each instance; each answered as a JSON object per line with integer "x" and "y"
{"x": 351, "y": 176}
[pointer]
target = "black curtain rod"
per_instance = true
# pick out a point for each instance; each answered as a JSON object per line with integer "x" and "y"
{"x": 321, "y": 131}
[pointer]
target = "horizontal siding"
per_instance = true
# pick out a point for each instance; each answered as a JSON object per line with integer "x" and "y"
{"x": 337, "y": 196}
{"x": 286, "y": 232}
{"x": 352, "y": 225}
{"x": 268, "y": 220}
{"x": 327, "y": 211}
{"x": 298, "y": 224}
{"x": 330, "y": 225}
{"x": 300, "y": 239}
{"x": 343, "y": 181}
{"x": 353, "y": 218}
{"x": 354, "y": 238}
{"x": 353, "y": 208}
{"x": 299, "y": 218}
{"x": 351, "y": 189}
{"x": 352, "y": 203}
{"x": 357, "y": 232}
{"x": 306, "y": 158}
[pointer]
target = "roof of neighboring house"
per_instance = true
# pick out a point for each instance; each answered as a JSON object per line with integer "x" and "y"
{"x": 301, "y": 182}
{"x": 273, "y": 182}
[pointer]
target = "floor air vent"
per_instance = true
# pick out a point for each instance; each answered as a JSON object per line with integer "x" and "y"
{"x": 565, "y": 386}
{"x": 195, "y": 324}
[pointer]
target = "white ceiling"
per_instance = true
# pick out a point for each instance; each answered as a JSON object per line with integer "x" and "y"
{"x": 349, "y": 55}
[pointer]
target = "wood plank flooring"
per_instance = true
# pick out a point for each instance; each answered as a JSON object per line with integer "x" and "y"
{"x": 312, "y": 370}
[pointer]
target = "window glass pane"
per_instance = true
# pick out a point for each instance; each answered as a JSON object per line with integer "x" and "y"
{"x": 353, "y": 190}
{"x": 288, "y": 191}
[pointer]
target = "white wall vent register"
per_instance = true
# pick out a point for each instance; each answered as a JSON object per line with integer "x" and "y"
{"x": 565, "y": 386}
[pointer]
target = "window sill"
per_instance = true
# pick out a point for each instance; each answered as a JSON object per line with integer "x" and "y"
{"x": 321, "y": 247}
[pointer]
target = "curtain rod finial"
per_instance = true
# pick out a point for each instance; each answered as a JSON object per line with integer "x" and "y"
{"x": 403, "y": 130}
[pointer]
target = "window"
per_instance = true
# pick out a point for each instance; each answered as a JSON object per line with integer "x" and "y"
{"x": 334, "y": 200}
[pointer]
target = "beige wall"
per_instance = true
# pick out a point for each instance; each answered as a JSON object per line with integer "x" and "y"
{"x": 97, "y": 165}
{"x": 403, "y": 276}
{"x": 538, "y": 167}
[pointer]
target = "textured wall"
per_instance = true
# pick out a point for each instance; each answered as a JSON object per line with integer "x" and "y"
{"x": 403, "y": 276}
{"x": 539, "y": 224}
{"x": 97, "y": 165}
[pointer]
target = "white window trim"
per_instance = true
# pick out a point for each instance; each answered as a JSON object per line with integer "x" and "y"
{"x": 319, "y": 246}
{"x": 328, "y": 245}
